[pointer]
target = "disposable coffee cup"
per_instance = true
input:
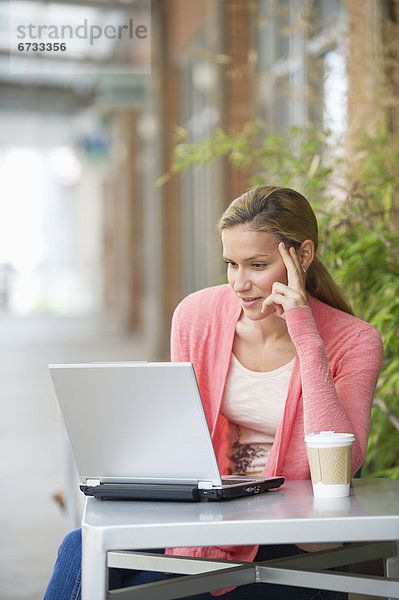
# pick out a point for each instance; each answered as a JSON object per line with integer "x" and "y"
{"x": 330, "y": 461}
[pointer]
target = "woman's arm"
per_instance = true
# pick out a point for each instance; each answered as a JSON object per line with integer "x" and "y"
{"x": 337, "y": 395}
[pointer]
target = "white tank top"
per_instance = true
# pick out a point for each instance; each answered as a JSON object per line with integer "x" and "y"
{"x": 253, "y": 403}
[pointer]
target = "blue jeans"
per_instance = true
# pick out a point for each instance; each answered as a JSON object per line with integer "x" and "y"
{"x": 65, "y": 582}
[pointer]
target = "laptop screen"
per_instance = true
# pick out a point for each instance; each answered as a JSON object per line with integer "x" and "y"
{"x": 135, "y": 422}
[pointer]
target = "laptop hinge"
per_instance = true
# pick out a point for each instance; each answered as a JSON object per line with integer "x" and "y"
{"x": 205, "y": 485}
{"x": 92, "y": 482}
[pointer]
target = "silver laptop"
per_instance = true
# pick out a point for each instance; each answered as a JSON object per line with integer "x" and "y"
{"x": 138, "y": 431}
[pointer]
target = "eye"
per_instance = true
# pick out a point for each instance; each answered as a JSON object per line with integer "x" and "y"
{"x": 259, "y": 266}
{"x": 230, "y": 263}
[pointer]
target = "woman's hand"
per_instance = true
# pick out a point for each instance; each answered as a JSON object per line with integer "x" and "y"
{"x": 284, "y": 296}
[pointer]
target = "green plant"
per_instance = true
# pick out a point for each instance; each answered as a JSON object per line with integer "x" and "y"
{"x": 356, "y": 200}
{"x": 269, "y": 157}
{"x": 362, "y": 251}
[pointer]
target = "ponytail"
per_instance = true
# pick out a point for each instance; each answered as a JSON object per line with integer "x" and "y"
{"x": 322, "y": 286}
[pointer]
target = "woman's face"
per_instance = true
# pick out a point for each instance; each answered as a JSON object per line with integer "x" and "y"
{"x": 253, "y": 265}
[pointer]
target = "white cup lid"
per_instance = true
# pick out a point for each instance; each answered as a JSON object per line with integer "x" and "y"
{"x": 329, "y": 437}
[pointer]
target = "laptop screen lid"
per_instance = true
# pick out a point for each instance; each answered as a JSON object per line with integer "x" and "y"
{"x": 136, "y": 422}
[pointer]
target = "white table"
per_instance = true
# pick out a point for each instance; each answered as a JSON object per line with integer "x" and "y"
{"x": 288, "y": 515}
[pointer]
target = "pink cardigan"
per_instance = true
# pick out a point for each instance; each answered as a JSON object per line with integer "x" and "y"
{"x": 331, "y": 388}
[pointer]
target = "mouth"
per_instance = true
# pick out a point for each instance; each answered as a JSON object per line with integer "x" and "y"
{"x": 249, "y": 302}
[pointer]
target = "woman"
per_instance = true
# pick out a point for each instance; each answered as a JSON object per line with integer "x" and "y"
{"x": 277, "y": 354}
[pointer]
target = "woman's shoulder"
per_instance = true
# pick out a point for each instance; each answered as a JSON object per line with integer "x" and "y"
{"x": 205, "y": 320}
{"x": 332, "y": 321}
{"x": 209, "y": 299}
{"x": 210, "y": 308}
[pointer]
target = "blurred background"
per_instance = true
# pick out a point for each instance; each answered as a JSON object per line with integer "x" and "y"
{"x": 99, "y": 238}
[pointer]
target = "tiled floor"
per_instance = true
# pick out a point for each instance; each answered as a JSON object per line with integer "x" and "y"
{"x": 32, "y": 450}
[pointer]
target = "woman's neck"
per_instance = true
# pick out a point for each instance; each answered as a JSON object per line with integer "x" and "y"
{"x": 270, "y": 329}
{"x": 263, "y": 345}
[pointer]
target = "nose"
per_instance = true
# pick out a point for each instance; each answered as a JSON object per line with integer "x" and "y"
{"x": 241, "y": 281}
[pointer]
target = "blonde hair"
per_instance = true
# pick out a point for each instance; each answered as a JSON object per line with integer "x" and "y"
{"x": 288, "y": 215}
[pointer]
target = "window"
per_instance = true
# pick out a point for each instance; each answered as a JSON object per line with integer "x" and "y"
{"x": 280, "y": 68}
{"x": 301, "y": 67}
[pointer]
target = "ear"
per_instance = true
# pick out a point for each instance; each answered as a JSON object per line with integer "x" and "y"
{"x": 306, "y": 254}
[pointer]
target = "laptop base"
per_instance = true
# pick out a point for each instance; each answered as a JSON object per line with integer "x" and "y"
{"x": 188, "y": 493}
{"x": 141, "y": 491}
